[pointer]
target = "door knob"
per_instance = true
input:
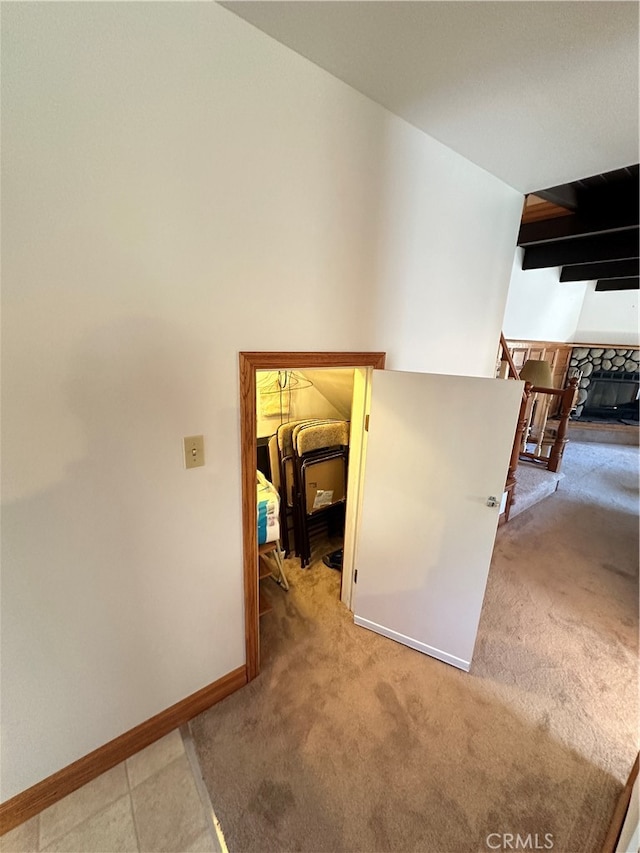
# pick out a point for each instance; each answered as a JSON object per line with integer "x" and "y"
{"x": 492, "y": 501}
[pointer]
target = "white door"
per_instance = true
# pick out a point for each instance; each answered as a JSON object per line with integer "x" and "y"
{"x": 438, "y": 451}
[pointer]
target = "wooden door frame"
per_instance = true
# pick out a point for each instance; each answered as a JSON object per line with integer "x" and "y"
{"x": 249, "y": 363}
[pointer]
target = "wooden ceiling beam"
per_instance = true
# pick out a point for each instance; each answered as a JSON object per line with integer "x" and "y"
{"x": 564, "y": 196}
{"x": 537, "y": 208}
{"x": 617, "y": 246}
{"x": 615, "y": 190}
{"x": 631, "y": 283}
{"x": 563, "y": 227}
{"x": 607, "y": 269}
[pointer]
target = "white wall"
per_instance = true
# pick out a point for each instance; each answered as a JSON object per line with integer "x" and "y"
{"x": 539, "y": 306}
{"x": 608, "y": 317}
{"x": 178, "y": 187}
{"x": 444, "y": 251}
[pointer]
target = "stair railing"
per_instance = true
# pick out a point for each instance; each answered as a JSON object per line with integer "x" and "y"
{"x": 511, "y": 370}
{"x": 553, "y": 461}
{"x": 508, "y": 370}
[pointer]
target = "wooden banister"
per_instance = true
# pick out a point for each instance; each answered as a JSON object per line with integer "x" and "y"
{"x": 521, "y": 425}
{"x": 520, "y": 428}
{"x": 568, "y": 397}
{"x": 506, "y": 356}
{"x": 512, "y": 373}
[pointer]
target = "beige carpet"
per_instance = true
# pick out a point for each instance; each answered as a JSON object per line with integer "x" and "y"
{"x": 533, "y": 485}
{"x": 350, "y": 742}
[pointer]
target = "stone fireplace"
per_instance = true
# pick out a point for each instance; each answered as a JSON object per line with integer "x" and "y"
{"x": 609, "y": 383}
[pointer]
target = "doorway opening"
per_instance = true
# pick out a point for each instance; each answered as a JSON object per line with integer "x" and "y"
{"x": 250, "y": 364}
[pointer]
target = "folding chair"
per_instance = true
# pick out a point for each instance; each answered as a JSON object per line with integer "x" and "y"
{"x": 321, "y": 460}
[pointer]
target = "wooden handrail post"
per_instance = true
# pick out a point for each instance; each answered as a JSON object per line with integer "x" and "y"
{"x": 566, "y": 404}
{"x": 520, "y": 428}
{"x": 506, "y": 356}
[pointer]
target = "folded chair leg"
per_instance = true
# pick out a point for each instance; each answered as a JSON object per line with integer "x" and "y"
{"x": 281, "y": 579}
{"x": 307, "y": 540}
{"x": 284, "y": 525}
{"x": 304, "y": 539}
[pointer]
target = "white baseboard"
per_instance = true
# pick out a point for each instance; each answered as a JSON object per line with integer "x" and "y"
{"x": 459, "y": 663}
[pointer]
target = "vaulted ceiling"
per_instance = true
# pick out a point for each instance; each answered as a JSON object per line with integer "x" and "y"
{"x": 588, "y": 227}
{"x": 536, "y": 93}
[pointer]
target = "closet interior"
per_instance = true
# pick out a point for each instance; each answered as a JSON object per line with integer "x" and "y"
{"x": 303, "y": 436}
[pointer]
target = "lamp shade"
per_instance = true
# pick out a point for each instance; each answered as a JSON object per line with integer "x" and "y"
{"x": 538, "y": 373}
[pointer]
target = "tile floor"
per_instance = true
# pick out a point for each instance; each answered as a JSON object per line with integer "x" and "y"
{"x": 154, "y": 801}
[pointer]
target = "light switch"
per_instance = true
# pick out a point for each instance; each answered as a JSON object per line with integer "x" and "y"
{"x": 194, "y": 451}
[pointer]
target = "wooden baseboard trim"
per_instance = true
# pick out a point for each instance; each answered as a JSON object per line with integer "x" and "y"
{"x": 620, "y": 811}
{"x": 32, "y": 801}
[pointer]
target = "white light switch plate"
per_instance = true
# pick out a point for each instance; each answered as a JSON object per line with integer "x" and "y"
{"x": 194, "y": 451}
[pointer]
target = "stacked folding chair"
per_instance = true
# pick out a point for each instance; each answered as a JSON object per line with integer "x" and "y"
{"x": 309, "y": 468}
{"x": 321, "y": 454}
{"x": 281, "y": 454}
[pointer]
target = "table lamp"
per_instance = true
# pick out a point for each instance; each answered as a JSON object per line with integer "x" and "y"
{"x": 538, "y": 373}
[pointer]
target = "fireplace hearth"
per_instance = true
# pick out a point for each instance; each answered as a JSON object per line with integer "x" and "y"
{"x": 609, "y": 384}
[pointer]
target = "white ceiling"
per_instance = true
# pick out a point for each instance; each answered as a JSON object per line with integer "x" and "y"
{"x": 537, "y": 93}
